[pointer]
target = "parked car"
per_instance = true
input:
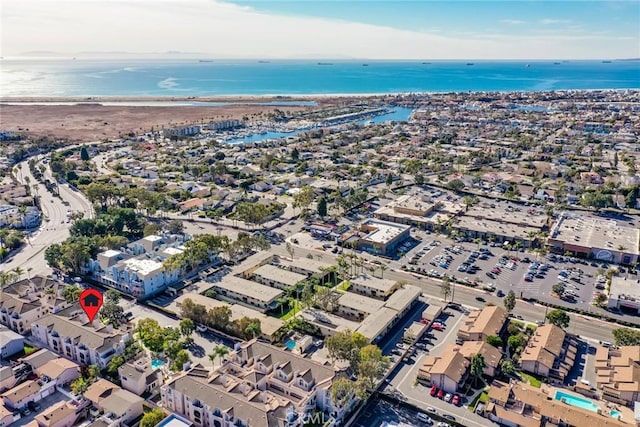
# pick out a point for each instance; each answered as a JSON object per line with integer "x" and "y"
{"x": 447, "y": 397}
{"x": 34, "y": 406}
{"x": 440, "y": 394}
{"x": 434, "y": 390}
{"x": 456, "y": 399}
{"x": 424, "y": 418}
{"x": 431, "y": 410}
{"x": 437, "y": 327}
{"x": 481, "y": 299}
{"x": 449, "y": 417}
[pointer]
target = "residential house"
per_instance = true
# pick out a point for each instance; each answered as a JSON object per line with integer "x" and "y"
{"x": 10, "y": 343}
{"x": 447, "y": 371}
{"x": 29, "y": 391}
{"x": 140, "y": 377}
{"x": 618, "y": 373}
{"x": 277, "y": 277}
{"x": 550, "y": 352}
{"x": 61, "y": 414}
{"x": 77, "y": 339}
{"x": 60, "y": 370}
{"x": 7, "y": 378}
{"x": 374, "y": 287}
{"x": 6, "y": 416}
{"x": 521, "y": 405}
{"x": 481, "y": 324}
{"x": 118, "y": 406}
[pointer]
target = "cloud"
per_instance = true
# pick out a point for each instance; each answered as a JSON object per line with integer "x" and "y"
{"x": 549, "y": 21}
{"x": 219, "y": 29}
{"x": 512, "y": 21}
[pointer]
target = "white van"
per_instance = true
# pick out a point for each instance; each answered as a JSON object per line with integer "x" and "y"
{"x": 424, "y": 418}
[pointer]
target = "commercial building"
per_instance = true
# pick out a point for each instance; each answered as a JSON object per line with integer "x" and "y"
{"x": 424, "y": 211}
{"x": 257, "y": 385}
{"x": 481, "y": 324}
{"x": 382, "y": 237}
{"x": 618, "y": 374}
{"x": 550, "y": 352}
{"x": 181, "y": 131}
{"x": 624, "y": 294}
{"x": 595, "y": 237}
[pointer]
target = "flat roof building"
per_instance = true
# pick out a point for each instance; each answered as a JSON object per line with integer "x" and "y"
{"x": 624, "y": 294}
{"x": 365, "y": 284}
{"x": 382, "y": 237}
{"x": 277, "y": 277}
{"x": 247, "y": 292}
{"x": 595, "y": 237}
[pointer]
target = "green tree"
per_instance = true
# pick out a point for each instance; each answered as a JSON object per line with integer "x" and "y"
{"x": 295, "y": 154}
{"x": 114, "y": 364}
{"x": 600, "y": 300}
{"x": 187, "y": 327}
{"x": 372, "y": 364}
{"x": 322, "y": 207}
{"x": 559, "y": 318}
{"x": 150, "y": 229}
{"x": 346, "y": 345}
{"x": 80, "y": 385}
{"x": 557, "y": 288}
{"x": 455, "y": 185}
{"x": 477, "y": 367}
{"x": 219, "y": 352}
{"x": 303, "y": 198}
{"x": 151, "y": 334}
{"x": 84, "y": 154}
{"x": 445, "y": 287}
{"x": 343, "y": 390}
{"x": 71, "y": 293}
{"x": 179, "y": 361}
{"x": 626, "y": 336}
{"x": 175, "y": 227}
{"x": 510, "y": 301}
{"x": 153, "y": 418}
{"x": 494, "y": 341}
{"x": 389, "y": 180}
{"x": 516, "y": 342}
{"x": 507, "y": 366}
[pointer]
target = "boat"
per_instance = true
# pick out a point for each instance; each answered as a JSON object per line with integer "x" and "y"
{"x": 205, "y": 60}
{"x": 365, "y": 65}
{"x": 606, "y": 62}
{"x": 528, "y": 65}
{"x": 263, "y": 62}
{"x": 470, "y": 63}
{"x": 426, "y": 63}
{"x": 325, "y": 63}
{"x": 556, "y": 63}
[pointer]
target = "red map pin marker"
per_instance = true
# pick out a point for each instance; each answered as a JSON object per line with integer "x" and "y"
{"x": 91, "y": 301}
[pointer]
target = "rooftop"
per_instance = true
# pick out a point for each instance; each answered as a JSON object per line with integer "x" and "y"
{"x": 375, "y": 323}
{"x": 143, "y": 266}
{"x": 369, "y": 281}
{"x": 596, "y": 232}
{"x": 279, "y": 275}
{"x": 624, "y": 289}
{"x": 382, "y": 232}
{"x": 360, "y": 302}
{"x": 488, "y": 321}
{"x": 544, "y": 345}
{"x": 249, "y": 288}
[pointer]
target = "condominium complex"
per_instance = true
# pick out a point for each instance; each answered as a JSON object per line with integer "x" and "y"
{"x": 258, "y": 385}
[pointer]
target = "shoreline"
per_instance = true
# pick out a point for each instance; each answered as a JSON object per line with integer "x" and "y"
{"x": 261, "y": 99}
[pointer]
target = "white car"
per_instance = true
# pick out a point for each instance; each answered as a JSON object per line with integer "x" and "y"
{"x": 424, "y": 418}
{"x": 201, "y": 328}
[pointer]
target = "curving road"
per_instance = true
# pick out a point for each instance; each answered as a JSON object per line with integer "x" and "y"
{"x": 54, "y": 227}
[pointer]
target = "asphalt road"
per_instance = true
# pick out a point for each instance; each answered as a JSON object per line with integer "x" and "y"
{"x": 54, "y": 227}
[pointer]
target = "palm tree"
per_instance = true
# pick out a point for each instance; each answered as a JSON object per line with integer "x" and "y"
{"x": 253, "y": 330}
{"x": 18, "y": 272}
{"x": 220, "y": 352}
{"x": 382, "y": 270}
{"x": 477, "y": 367}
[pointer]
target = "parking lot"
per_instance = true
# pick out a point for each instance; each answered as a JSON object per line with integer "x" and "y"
{"x": 492, "y": 264}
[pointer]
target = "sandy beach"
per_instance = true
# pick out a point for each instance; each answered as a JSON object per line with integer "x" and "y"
{"x": 90, "y": 121}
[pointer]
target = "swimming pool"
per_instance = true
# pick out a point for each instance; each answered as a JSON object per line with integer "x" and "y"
{"x": 156, "y": 363}
{"x": 615, "y": 414}
{"x": 579, "y": 402}
{"x": 291, "y": 344}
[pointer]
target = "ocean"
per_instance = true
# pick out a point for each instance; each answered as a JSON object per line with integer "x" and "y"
{"x": 184, "y": 78}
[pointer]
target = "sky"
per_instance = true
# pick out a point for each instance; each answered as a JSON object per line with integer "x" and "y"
{"x": 338, "y": 29}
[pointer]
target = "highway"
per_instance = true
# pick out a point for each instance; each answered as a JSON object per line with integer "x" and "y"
{"x": 54, "y": 227}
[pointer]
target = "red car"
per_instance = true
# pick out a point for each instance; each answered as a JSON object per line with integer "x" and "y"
{"x": 496, "y": 270}
{"x": 433, "y": 391}
{"x": 456, "y": 400}
{"x": 440, "y": 394}
{"x": 437, "y": 326}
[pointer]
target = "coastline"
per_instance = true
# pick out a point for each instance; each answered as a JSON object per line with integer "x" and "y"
{"x": 261, "y": 99}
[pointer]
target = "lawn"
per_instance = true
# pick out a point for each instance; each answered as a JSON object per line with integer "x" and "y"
{"x": 343, "y": 287}
{"x": 297, "y": 308}
{"x": 28, "y": 349}
{"x": 531, "y": 379}
{"x": 482, "y": 397}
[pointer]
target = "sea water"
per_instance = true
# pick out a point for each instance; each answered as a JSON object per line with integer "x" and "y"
{"x": 184, "y": 78}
